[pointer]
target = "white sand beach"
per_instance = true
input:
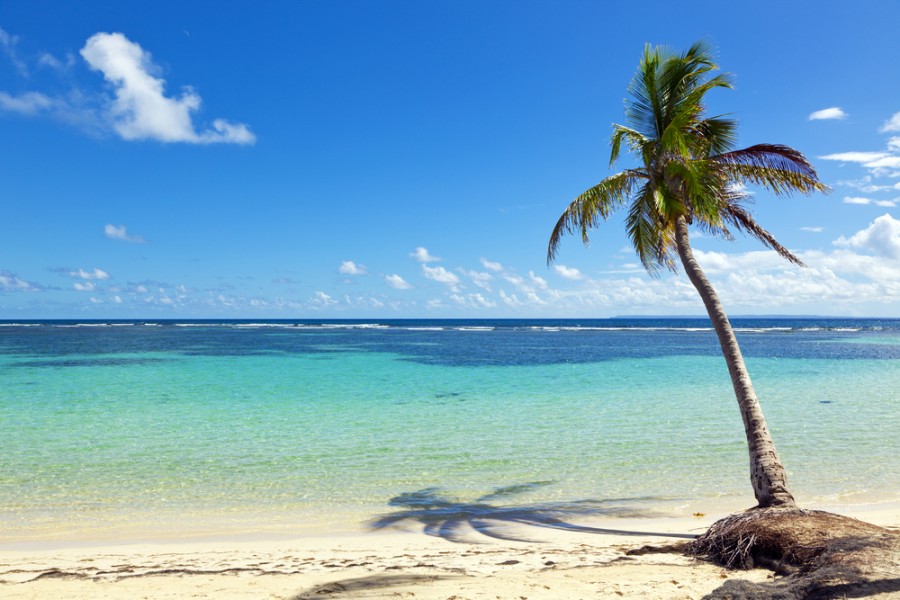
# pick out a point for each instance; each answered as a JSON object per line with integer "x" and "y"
{"x": 402, "y": 564}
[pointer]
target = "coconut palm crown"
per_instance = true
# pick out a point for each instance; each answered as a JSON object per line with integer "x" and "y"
{"x": 688, "y": 174}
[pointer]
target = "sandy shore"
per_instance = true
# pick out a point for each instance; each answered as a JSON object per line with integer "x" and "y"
{"x": 553, "y": 564}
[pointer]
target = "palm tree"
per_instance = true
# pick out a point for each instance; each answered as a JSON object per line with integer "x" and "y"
{"x": 688, "y": 175}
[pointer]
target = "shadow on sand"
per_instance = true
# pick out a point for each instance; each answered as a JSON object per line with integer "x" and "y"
{"x": 367, "y": 585}
{"x": 458, "y": 521}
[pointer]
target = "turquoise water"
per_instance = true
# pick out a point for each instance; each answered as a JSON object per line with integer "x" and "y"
{"x": 168, "y": 431}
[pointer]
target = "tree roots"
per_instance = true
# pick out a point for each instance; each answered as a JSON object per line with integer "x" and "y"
{"x": 824, "y": 555}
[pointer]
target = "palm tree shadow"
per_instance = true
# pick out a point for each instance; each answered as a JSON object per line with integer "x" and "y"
{"x": 463, "y": 522}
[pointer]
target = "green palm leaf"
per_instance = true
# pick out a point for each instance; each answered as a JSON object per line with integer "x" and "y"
{"x": 594, "y": 204}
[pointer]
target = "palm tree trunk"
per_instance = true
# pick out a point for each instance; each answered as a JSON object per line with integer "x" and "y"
{"x": 766, "y": 471}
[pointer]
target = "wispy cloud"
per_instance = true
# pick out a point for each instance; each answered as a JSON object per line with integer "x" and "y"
{"x": 491, "y": 265}
{"x": 422, "y": 255}
{"x": 87, "y": 286}
{"x": 441, "y": 275}
{"x": 865, "y": 201}
{"x": 322, "y": 300}
{"x": 140, "y": 108}
{"x": 568, "y": 272}
{"x": 8, "y": 46}
{"x": 813, "y": 229}
{"x": 397, "y": 282}
{"x": 10, "y": 282}
{"x": 857, "y": 157}
{"x": 865, "y": 184}
{"x": 45, "y": 59}
{"x": 119, "y": 232}
{"x": 537, "y": 281}
{"x": 828, "y": 114}
{"x": 95, "y": 274}
{"x": 879, "y": 164}
{"x": 473, "y": 301}
{"x": 479, "y": 278}
{"x": 28, "y": 103}
{"x": 348, "y": 267}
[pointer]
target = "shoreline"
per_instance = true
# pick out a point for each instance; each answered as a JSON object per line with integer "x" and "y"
{"x": 879, "y": 511}
{"x": 544, "y": 563}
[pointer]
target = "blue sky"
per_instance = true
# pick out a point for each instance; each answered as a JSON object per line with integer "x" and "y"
{"x": 409, "y": 159}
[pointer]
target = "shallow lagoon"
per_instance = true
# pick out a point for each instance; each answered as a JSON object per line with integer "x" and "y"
{"x": 169, "y": 429}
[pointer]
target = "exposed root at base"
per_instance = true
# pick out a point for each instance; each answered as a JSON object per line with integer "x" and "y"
{"x": 823, "y": 554}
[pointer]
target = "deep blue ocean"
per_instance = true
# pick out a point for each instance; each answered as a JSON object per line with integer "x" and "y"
{"x": 157, "y": 429}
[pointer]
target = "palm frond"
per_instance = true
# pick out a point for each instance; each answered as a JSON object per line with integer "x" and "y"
{"x": 592, "y": 205}
{"x": 643, "y": 111}
{"x": 714, "y": 230}
{"x": 718, "y": 133}
{"x": 778, "y": 168}
{"x": 643, "y": 227}
{"x": 678, "y": 137}
{"x": 741, "y": 219}
{"x": 635, "y": 140}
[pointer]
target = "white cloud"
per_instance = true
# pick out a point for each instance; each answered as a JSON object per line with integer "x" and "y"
{"x": 859, "y": 157}
{"x": 894, "y": 144}
{"x": 813, "y": 229}
{"x": 117, "y": 299}
{"x": 10, "y": 282}
{"x": 510, "y": 300}
{"x": 95, "y": 274}
{"x": 828, "y": 113}
{"x": 528, "y": 286}
{"x": 881, "y": 237}
{"x": 886, "y": 162}
{"x": 140, "y": 109}
{"x": 397, "y": 282}
{"x": 28, "y": 103}
{"x": 865, "y": 201}
{"x": 348, "y": 267}
{"x": 322, "y": 300}
{"x": 491, "y": 266}
{"x": 479, "y": 278}
{"x": 8, "y": 45}
{"x": 421, "y": 254}
{"x": 760, "y": 260}
{"x": 892, "y": 124}
{"x": 538, "y": 282}
{"x": 518, "y": 281}
{"x": 473, "y": 301}
{"x": 568, "y": 272}
{"x": 865, "y": 184}
{"x": 441, "y": 275}
{"x": 84, "y": 287}
{"x": 45, "y": 59}
{"x": 120, "y": 233}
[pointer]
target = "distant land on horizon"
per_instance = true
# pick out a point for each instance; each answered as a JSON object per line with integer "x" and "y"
{"x": 740, "y": 317}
